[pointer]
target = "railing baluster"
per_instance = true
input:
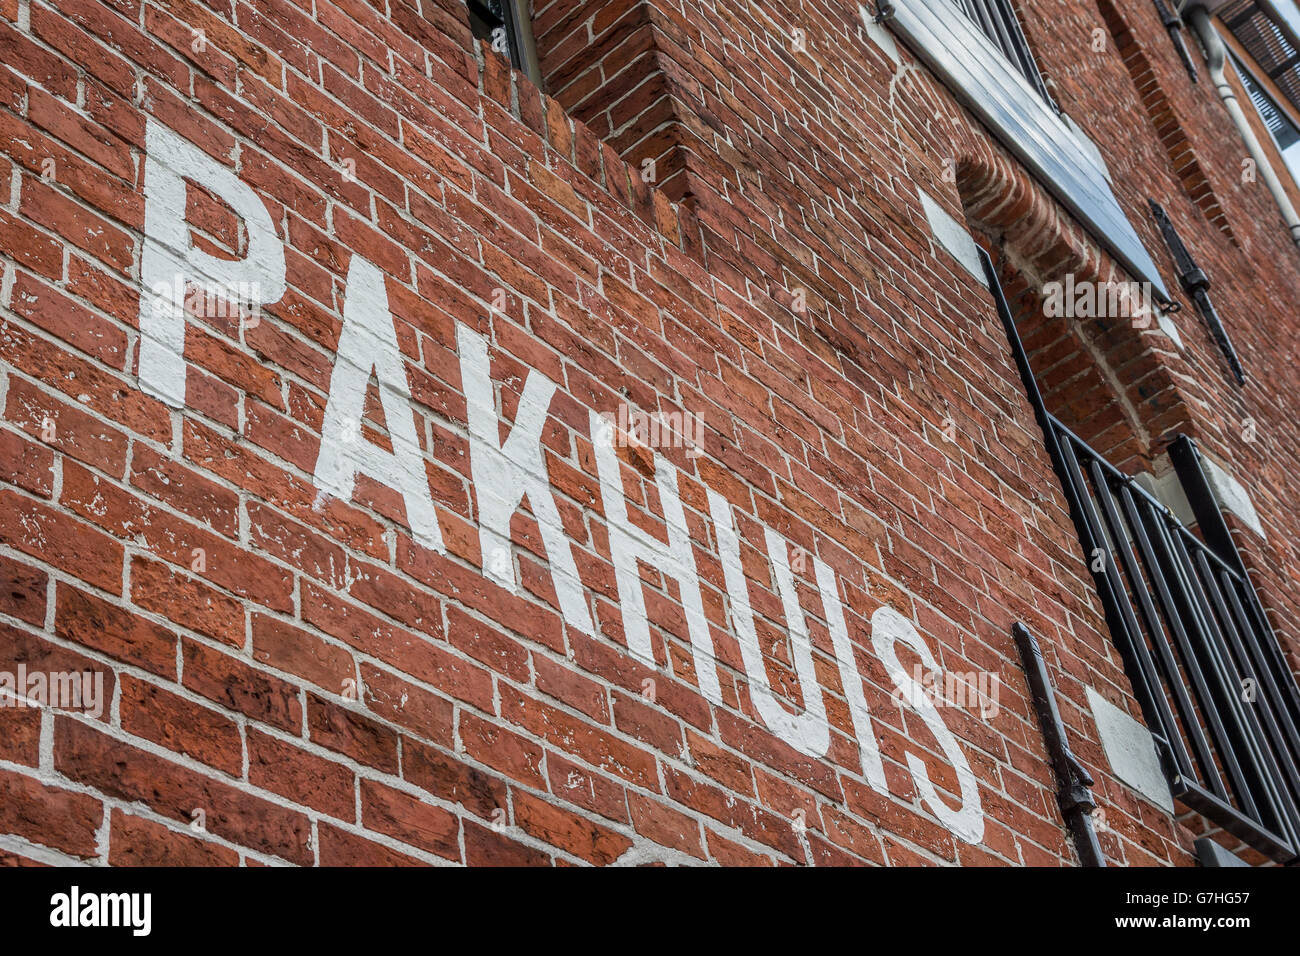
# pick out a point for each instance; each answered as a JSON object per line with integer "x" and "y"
{"x": 1246, "y": 718}
{"x": 1261, "y": 709}
{"x": 1259, "y": 663}
{"x": 1232, "y": 723}
{"x": 1141, "y": 668}
{"x": 1140, "y": 522}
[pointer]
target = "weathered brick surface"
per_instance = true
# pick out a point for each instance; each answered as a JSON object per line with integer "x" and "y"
{"x": 297, "y": 676}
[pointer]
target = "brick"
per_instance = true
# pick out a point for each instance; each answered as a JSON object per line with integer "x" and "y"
{"x": 135, "y": 841}
{"x": 348, "y": 732}
{"x": 340, "y": 848}
{"x": 44, "y": 68}
{"x": 424, "y": 714}
{"x": 501, "y": 749}
{"x": 451, "y": 780}
{"x": 665, "y": 826}
{"x": 487, "y": 644}
{"x": 729, "y": 853}
{"x": 235, "y": 685}
{"x": 572, "y": 688}
{"x": 70, "y": 321}
{"x": 292, "y": 542}
{"x": 568, "y": 831}
{"x": 91, "y": 233}
{"x": 25, "y": 464}
{"x": 175, "y": 723}
{"x": 170, "y": 482}
{"x": 575, "y": 784}
{"x": 570, "y": 735}
{"x": 125, "y": 772}
{"x": 487, "y": 847}
{"x": 403, "y": 817}
{"x": 180, "y": 542}
{"x": 93, "y": 622}
{"x": 300, "y": 776}
{"x": 22, "y": 591}
{"x": 66, "y": 429}
{"x": 88, "y": 384}
{"x": 291, "y": 649}
{"x": 40, "y": 655}
{"x": 64, "y": 542}
{"x": 48, "y": 815}
{"x": 186, "y": 601}
{"x": 15, "y": 860}
{"x": 20, "y": 735}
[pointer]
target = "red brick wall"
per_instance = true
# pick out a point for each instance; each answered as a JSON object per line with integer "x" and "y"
{"x": 291, "y": 675}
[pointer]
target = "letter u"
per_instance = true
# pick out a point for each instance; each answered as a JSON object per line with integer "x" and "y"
{"x": 809, "y": 733}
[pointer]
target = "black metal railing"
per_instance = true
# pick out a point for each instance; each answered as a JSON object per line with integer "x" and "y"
{"x": 998, "y": 21}
{"x": 1203, "y": 660}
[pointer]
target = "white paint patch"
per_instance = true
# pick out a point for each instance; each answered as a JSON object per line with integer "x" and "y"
{"x": 878, "y": 35}
{"x": 1168, "y": 490}
{"x": 1131, "y": 751}
{"x": 368, "y": 344}
{"x": 1166, "y": 324}
{"x": 505, "y": 473}
{"x": 954, "y": 237}
{"x": 1227, "y": 491}
{"x": 1231, "y": 495}
{"x": 170, "y": 260}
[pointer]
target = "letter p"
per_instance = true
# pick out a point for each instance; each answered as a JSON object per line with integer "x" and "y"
{"x": 170, "y": 260}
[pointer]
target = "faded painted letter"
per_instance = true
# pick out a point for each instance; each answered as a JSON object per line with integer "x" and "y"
{"x": 170, "y": 261}
{"x": 504, "y": 473}
{"x": 889, "y": 628}
{"x": 850, "y": 678}
{"x": 368, "y": 344}
{"x": 628, "y": 544}
{"x": 808, "y": 732}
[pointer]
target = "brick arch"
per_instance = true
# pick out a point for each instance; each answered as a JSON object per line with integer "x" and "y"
{"x": 1103, "y": 377}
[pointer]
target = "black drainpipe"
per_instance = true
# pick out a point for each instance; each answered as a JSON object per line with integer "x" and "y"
{"x": 1073, "y": 780}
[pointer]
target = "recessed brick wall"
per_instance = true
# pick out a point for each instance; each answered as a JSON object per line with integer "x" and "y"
{"x": 1165, "y": 120}
{"x": 294, "y": 675}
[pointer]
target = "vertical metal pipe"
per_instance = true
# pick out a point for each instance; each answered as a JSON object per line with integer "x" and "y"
{"x": 1073, "y": 780}
{"x": 1216, "y": 54}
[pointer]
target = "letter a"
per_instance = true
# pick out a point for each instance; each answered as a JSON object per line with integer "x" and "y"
{"x": 368, "y": 344}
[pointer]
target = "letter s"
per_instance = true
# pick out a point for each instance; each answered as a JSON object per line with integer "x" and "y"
{"x": 888, "y": 628}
